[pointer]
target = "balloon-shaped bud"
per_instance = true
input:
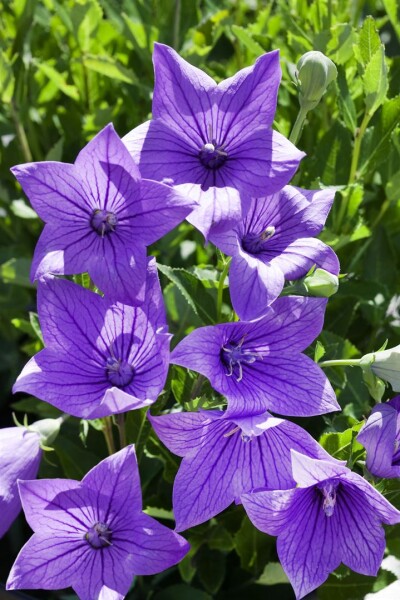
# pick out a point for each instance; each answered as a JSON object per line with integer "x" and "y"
{"x": 48, "y": 429}
{"x": 315, "y": 72}
{"x": 321, "y": 283}
{"x": 385, "y": 365}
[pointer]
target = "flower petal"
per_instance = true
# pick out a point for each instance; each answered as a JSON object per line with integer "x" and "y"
{"x": 262, "y": 163}
{"x": 182, "y": 95}
{"x": 203, "y": 486}
{"x": 116, "y": 401}
{"x": 378, "y": 503}
{"x": 106, "y": 167}
{"x": 40, "y": 512}
{"x": 378, "y": 438}
{"x": 118, "y": 267}
{"x": 47, "y": 562}
{"x": 65, "y": 382}
{"x": 270, "y": 511}
{"x": 117, "y": 477}
{"x": 248, "y": 99}
{"x": 63, "y": 249}
{"x": 296, "y": 259}
{"x": 253, "y": 285}
{"x": 154, "y": 547}
{"x": 184, "y": 433}
{"x": 69, "y": 313}
{"x": 163, "y": 154}
{"x": 362, "y": 538}
{"x": 308, "y": 471}
{"x": 218, "y": 208}
{"x": 55, "y": 191}
{"x": 20, "y": 456}
{"x": 162, "y": 209}
{"x": 307, "y": 547}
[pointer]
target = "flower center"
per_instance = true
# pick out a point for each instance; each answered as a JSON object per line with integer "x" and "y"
{"x": 212, "y": 156}
{"x": 253, "y": 243}
{"x": 245, "y": 437}
{"x": 328, "y": 490}
{"x": 234, "y": 355}
{"x": 99, "y": 535}
{"x": 119, "y": 373}
{"x": 103, "y": 222}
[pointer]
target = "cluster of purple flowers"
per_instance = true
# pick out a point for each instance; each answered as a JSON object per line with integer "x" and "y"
{"x": 209, "y": 155}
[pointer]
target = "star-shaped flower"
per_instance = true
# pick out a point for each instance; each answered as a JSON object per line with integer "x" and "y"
{"x": 207, "y": 137}
{"x": 258, "y": 365}
{"x": 100, "y": 358}
{"x": 20, "y": 456}
{"x": 100, "y": 216}
{"x": 381, "y": 438}
{"x": 275, "y": 241}
{"x": 333, "y": 516}
{"x": 223, "y": 457}
{"x": 92, "y": 535}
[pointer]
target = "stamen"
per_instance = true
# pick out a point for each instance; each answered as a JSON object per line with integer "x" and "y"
{"x": 233, "y": 355}
{"x": 119, "y": 373}
{"x": 254, "y": 243}
{"x": 99, "y": 535}
{"x": 103, "y": 222}
{"x": 328, "y": 490}
{"x": 231, "y": 432}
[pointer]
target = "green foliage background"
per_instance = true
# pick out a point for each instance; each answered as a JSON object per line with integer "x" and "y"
{"x": 69, "y": 67}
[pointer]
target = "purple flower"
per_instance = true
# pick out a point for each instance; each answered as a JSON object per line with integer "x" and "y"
{"x": 332, "y": 516}
{"x": 380, "y": 436}
{"x": 224, "y": 457}
{"x": 207, "y": 137}
{"x": 258, "y": 365}
{"x": 273, "y": 242}
{"x": 20, "y": 456}
{"x": 92, "y": 535}
{"x": 100, "y": 358}
{"x": 100, "y": 216}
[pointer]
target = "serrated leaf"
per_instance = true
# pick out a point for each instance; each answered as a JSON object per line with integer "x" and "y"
{"x": 376, "y": 145}
{"x": 375, "y": 81}
{"x": 369, "y": 40}
{"x": 188, "y": 285}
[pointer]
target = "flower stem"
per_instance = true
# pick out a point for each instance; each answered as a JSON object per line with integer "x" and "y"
{"x": 298, "y": 126}
{"x": 357, "y": 147}
{"x": 120, "y": 420}
{"x": 108, "y": 435}
{"x": 220, "y": 291}
{"x": 355, "y": 362}
{"x": 22, "y": 137}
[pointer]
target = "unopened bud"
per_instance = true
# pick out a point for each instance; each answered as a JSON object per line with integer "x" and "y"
{"x": 315, "y": 72}
{"x": 376, "y": 386}
{"x": 48, "y": 429}
{"x": 385, "y": 365}
{"x": 321, "y": 283}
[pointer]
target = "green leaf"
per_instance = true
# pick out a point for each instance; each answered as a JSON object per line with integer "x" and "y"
{"x": 75, "y": 460}
{"x": 220, "y": 539}
{"x": 211, "y": 566}
{"x": 34, "y": 321}
{"x": 192, "y": 290}
{"x": 343, "y": 445}
{"x": 273, "y": 574}
{"x": 110, "y": 68}
{"x": 21, "y": 209}
{"x": 181, "y": 591}
{"x": 59, "y": 80}
{"x": 16, "y": 271}
{"x": 347, "y": 109}
{"x": 375, "y": 81}
{"x": 369, "y": 40}
{"x": 244, "y": 36}
{"x": 392, "y": 9}
{"x": 253, "y": 547}
{"x": 375, "y": 147}
{"x": 36, "y": 407}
